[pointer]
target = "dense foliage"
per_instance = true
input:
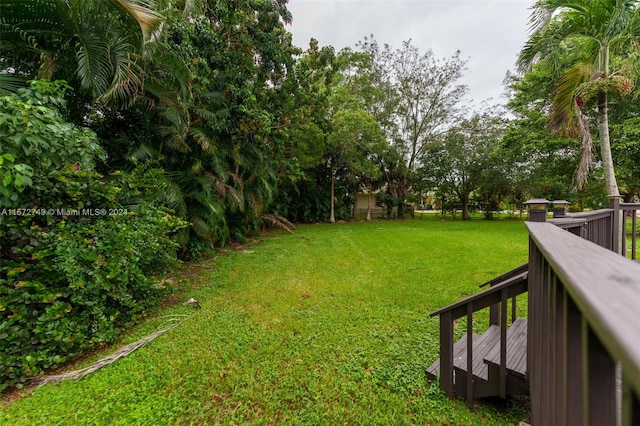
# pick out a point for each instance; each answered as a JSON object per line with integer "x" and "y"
{"x": 195, "y": 123}
{"x": 81, "y": 252}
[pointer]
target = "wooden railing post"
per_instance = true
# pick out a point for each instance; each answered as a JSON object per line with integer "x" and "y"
{"x": 446, "y": 353}
{"x": 503, "y": 343}
{"x": 630, "y": 404}
{"x": 616, "y": 230}
{"x": 537, "y": 208}
{"x": 600, "y": 381}
{"x": 575, "y": 406}
{"x": 470, "y": 353}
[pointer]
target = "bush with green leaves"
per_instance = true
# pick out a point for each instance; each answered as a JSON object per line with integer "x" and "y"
{"x": 81, "y": 253}
{"x": 73, "y": 278}
{"x": 35, "y": 138}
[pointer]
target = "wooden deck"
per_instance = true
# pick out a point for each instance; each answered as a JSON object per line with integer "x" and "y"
{"x": 577, "y": 355}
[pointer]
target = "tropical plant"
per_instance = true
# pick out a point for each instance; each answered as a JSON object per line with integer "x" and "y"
{"x": 98, "y": 42}
{"x": 596, "y": 28}
{"x": 34, "y": 138}
{"x": 541, "y": 162}
{"x": 79, "y": 250}
{"x": 219, "y": 145}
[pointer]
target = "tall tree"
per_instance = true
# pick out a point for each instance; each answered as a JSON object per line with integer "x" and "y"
{"x": 222, "y": 143}
{"x": 598, "y": 27}
{"x": 303, "y": 168}
{"x": 463, "y": 158}
{"x": 422, "y": 102}
{"x": 355, "y": 140}
{"x": 543, "y": 161}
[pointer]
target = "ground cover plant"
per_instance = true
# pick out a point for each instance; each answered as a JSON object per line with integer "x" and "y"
{"x": 329, "y": 325}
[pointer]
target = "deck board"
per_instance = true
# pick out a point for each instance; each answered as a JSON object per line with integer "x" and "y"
{"x": 516, "y": 349}
{"x": 459, "y": 348}
{"x": 482, "y": 344}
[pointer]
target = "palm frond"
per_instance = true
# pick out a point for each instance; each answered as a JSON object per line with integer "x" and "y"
{"x": 33, "y": 17}
{"x": 561, "y": 115}
{"x": 553, "y": 22}
{"x": 201, "y": 227}
{"x": 193, "y": 8}
{"x": 586, "y": 158}
{"x": 203, "y": 140}
{"x": 94, "y": 66}
{"x": 126, "y": 74}
{"x": 206, "y": 114}
{"x": 279, "y": 221}
{"x": 173, "y": 197}
{"x": 172, "y": 139}
{"x": 10, "y": 83}
{"x": 142, "y": 12}
{"x": 226, "y": 191}
{"x": 634, "y": 23}
{"x": 621, "y": 15}
{"x": 144, "y": 152}
{"x": 175, "y": 132}
{"x": 167, "y": 67}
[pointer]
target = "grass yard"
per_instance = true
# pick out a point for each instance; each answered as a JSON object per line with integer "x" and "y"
{"x": 329, "y": 325}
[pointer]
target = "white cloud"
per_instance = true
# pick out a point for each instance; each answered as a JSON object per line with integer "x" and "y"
{"x": 490, "y": 33}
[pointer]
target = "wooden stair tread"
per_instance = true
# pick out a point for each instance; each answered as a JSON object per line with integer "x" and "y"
{"x": 459, "y": 347}
{"x": 486, "y": 351}
{"x": 516, "y": 349}
{"x": 481, "y": 346}
{"x": 482, "y": 343}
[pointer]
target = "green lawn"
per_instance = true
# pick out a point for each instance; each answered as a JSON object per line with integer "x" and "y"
{"x": 329, "y": 325}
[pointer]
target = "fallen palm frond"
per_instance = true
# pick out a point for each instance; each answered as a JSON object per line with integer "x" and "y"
{"x": 122, "y": 352}
{"x": 279, "y": 221}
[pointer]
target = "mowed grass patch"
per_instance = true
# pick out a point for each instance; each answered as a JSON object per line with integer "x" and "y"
{"x": 329, "y": 325}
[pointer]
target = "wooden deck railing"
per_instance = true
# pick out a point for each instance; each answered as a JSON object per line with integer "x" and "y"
{"x": 497, "y": 295}
{"x": 494, "y": 310}
{"x": 583, "y": 321}
{"x": 594, "y": 226}
{"x": 597, "y": 226}
{"x": 629, "y": 214}
{"x": 562, "y": 330}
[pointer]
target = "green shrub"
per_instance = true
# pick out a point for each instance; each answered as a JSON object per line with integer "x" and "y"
{"x": 35, "y": 138}
{"x": 71, "y": 281}
{"x": 80, "y": 252}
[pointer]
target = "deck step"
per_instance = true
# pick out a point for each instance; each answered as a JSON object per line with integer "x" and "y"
{"x": 459, "y": 348}
{"x": 482, "y": 343}
{"x": 486, "y": 357}
{"x": 481, "y": 347}
{"x": 516, "y": 350}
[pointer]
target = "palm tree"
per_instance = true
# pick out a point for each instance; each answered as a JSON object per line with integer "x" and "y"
{"x": 597, "y": 27}
{"x": 98, "y": 41}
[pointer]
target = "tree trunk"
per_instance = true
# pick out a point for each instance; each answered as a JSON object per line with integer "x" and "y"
{"x": 369, "y": 204}
{"x": 605, "y": 146}
{"x": 464, "y": 199}
{"x": 402, "y": 195}
{"x": 354, "y": 206}
{"x": 332, "y": 218}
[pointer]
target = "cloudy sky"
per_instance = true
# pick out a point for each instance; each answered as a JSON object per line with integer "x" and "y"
{"x": 489, "y": 33}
